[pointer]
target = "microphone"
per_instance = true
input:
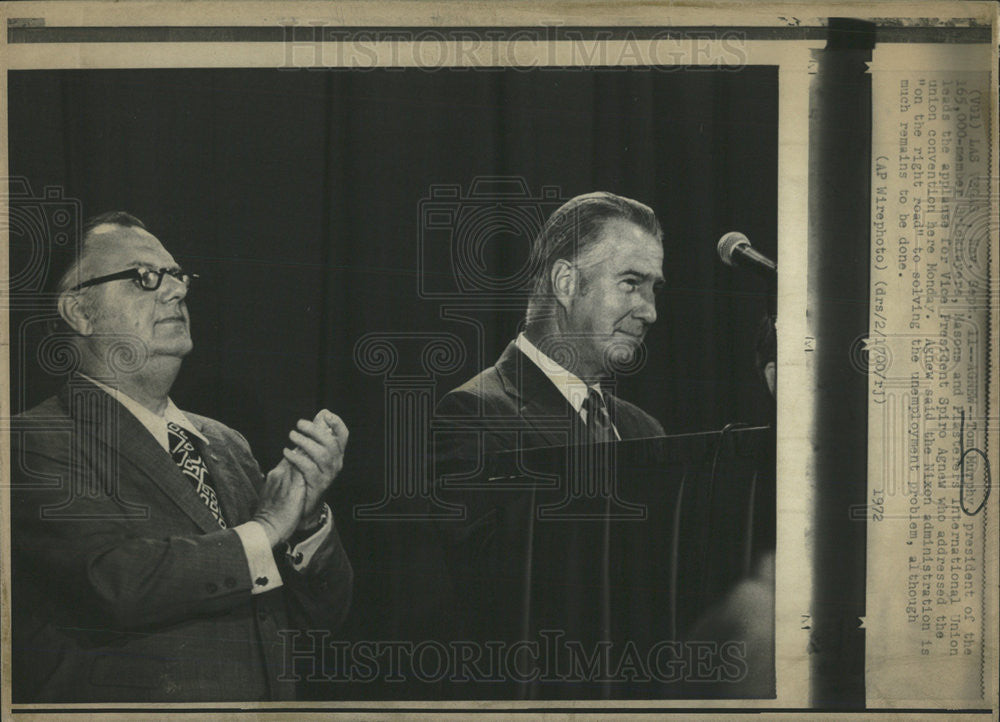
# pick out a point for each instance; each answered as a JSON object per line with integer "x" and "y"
{"x": 735, "y": 250}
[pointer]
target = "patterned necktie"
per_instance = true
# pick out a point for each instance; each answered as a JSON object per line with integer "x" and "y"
{"x": 598, "y": 419}
{"x": 186, "y": 456}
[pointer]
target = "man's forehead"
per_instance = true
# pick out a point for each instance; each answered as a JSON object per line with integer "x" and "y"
{"x": 623, "y": 242}
{"x": 109, "y": 242}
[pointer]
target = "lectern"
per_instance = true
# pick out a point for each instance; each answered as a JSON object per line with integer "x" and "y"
{"x": 598, "y": 561}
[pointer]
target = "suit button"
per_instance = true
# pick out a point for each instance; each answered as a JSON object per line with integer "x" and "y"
{"x": 262, "y": 615}
{"x": 230, "y": 582}
{"x": 211, "y": 588}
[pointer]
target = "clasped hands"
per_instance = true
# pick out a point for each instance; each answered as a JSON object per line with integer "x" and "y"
{"x": 292, "y": 494}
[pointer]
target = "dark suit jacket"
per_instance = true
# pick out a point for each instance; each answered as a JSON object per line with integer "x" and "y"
{"x": 124, "y": 586}
{"x": 513, "y": 404}
{"x": 509, "y": 405}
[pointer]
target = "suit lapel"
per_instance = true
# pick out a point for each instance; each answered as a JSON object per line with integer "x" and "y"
{"x": 104, "y": 420}
{"x": 630, "y": 424}
{"x": 236, "y": 494}
{"x": 541, "y": 404}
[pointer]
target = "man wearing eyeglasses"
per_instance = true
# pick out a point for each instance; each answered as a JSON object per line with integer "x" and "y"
{"x": 151, "y": 558}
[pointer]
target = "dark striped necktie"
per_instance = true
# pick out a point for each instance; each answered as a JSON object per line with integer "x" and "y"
{"x": 186, "y": 456}
{"x": 598, "y": 419}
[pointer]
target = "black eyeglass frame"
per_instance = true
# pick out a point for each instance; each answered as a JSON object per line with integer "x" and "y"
{"x": 141, "y": 274}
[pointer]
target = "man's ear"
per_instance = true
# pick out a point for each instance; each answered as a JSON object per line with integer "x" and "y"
{"x": 73, "y": 310}
{"x": 564, "y": 278}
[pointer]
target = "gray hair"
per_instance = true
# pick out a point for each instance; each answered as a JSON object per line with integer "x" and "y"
{"x": 576, "y": 226}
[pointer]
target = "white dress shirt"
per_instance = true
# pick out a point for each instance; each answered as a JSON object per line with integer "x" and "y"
{"x": 260, "y": 559}
{"x": 569, "y": 384}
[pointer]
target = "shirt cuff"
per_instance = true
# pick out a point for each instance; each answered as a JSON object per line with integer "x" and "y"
{"x": 301, "y": 554}
{"x": 264, "y": 573}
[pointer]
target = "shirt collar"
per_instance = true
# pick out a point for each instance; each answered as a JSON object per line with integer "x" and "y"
{"x": 154, "y": 423}
{"x": 569, "y": 384}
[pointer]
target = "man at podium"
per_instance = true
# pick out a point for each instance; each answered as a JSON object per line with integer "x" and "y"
{"x": 598, "y": 266}
{"x": 565, "y": 535}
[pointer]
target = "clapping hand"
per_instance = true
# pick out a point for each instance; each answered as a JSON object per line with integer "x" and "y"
{"x": 282, "y": 500}
{"x": 293, "y": 490}
{"x": 317, "y": 457}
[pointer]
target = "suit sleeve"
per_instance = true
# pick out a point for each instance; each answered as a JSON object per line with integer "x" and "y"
{"x": 319, "y": 594}
{"x": 456, "y": 439}
{"x": 464, "y": 437}
{"x": 103, "y": 553}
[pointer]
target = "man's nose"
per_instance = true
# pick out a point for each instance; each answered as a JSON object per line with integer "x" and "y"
{"x": 171, "y": 289}
{"x": 645, "y": 309}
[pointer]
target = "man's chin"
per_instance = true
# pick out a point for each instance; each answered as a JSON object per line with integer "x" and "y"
{"x": 621, "y": 354}
{"x": 184, "y": 349}
{"x": 179, "y": 348}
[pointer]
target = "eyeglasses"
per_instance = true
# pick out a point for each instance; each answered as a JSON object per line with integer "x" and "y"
{"x": 145, "y": 278}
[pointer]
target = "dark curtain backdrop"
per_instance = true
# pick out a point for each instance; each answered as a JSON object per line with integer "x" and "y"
{"x": 296, "y": 197}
